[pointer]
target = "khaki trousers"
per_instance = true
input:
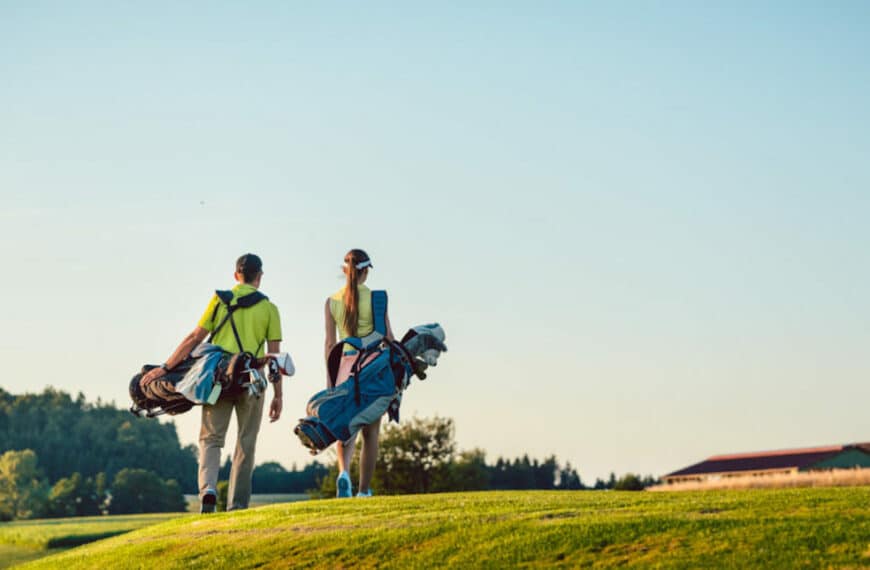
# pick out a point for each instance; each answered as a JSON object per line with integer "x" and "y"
{"x": 213, "y": 433}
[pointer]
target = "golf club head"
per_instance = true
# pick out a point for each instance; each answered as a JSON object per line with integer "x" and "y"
{"x": 284, "y": 362}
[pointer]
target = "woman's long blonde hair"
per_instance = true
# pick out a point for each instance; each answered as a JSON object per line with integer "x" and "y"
{"x": 353, "y": 258}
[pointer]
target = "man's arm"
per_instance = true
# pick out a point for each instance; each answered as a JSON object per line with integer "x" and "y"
{"x": 188, "y": 344}
{"x": 274, "y": 346}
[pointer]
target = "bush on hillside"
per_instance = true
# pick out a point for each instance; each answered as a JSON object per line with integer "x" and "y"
{"x": 629, "y": 482}
{"x": 23, "y": 492}
{"x": 415, "y": 456}
{"x": 139, "y": 491}
{"x": 272, "y": 477}
{"x": 468, "y": 472}
{"x": 77, "y": 496}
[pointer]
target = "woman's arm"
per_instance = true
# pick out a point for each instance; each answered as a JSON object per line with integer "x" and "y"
{"x": 330, "y": 331}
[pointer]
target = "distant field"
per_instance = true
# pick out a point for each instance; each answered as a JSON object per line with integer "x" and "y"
{"x": 56, "y": 533}
{"x": 28, "y": 540}
{"x": 785, "y": 528}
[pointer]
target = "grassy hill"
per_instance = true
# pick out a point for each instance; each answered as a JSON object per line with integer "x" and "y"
{"x": 790, "y": 528}
{"x": 31, "y": 539}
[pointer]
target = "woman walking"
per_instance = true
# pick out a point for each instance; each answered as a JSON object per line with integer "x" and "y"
{"x": 350, "y": 311}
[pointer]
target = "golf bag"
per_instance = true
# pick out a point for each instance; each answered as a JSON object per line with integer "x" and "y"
{"x": 200, "y": 379}
{"x": 380, "y": 373}
{"x": 208, "y": 372}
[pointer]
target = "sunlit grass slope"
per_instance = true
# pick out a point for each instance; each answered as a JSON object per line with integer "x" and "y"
{"x": 21, "y": 541}
{"x": 59, "y": 533}
{"x": 789, "y": 528}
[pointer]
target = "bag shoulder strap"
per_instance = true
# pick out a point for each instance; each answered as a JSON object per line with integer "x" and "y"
{"x": 379, "y": 317}
{"x": 372, "y": 340}
{"x": 250, "y": 300}
{"x": 243, "y": 302}
{"x": 379, "y": 311}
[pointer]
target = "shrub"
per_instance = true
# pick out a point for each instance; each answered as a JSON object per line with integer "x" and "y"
{"x": 141, "y": 491}
{"x": 23, "y": 493}
{"x": 629, "y": 482}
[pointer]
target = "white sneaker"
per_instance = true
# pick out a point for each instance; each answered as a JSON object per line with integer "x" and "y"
{"x": 364, "y": 494}
{"x": 342, "y": 486}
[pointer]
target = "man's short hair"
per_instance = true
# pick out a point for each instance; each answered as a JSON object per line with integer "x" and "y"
{"x": 249, "y": 265}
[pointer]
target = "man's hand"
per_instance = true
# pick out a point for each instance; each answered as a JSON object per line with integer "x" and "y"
{"x": 152, "y": 375}
{"x": 190, "y": 341}
{"x": 275, "y": 409}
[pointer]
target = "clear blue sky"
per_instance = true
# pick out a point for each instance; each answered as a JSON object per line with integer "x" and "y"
{"x": 643, "y": 225}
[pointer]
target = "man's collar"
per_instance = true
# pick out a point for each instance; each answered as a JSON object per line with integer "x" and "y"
{"x": 244, "y": 287}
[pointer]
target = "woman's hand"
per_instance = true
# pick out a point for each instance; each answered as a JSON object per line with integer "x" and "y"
{"x": 275, "y": 409}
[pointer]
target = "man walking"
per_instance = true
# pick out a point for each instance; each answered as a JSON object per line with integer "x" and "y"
{"x": 247, "y": 330}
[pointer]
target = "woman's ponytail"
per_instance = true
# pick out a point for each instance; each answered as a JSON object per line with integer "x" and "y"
{"x": 352, "y": 269}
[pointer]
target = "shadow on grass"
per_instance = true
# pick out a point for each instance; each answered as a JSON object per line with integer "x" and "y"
{"x": 72, "y": 540}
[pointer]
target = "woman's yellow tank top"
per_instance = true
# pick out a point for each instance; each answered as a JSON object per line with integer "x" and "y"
{"x": 366, "y": 323}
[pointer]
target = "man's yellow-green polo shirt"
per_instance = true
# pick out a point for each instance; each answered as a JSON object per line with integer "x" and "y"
{"x": 255, "y": 324}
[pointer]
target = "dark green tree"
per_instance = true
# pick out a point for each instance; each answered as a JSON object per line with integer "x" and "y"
{"x": 23, "y": 492}
{"x": 650, "y": 481}
{"x": 629, "y": 482}
{"x": 141, "y": 491}
{"x": 545, "y": 473}
{"x": 468, "y": 472}
{"x": 271, "y": 477}
{"x": 76, "y": 496}
{"x": 415, "y": 456}
{"x": 569, "y": 479}
{"x": 524, "y": 473}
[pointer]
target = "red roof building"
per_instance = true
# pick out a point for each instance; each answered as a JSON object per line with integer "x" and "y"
{"x": 775, "y": 462}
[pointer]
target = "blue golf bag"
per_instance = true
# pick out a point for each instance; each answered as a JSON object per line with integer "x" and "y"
{"x": 381, "y": 371}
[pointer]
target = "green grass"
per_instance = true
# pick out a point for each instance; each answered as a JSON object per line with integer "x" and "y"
{"x": 788, "y": 528}
{"x": 62, "y": 533}
{"x": 22, "y": 541}
{"x": 12, "y": 554}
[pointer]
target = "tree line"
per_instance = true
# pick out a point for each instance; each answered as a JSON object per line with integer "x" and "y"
{"x": 63, "y": 456}
{"x": 420, "y": 455}
{"x": 25, "y": 493}
{"x": 69, "y": 435}
{"x": 271, "y": 477}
